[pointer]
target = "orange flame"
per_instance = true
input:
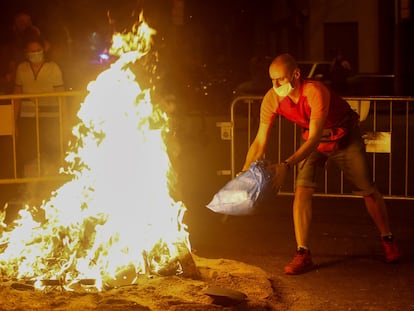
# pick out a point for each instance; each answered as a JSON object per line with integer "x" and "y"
{"x": 115, "y": 220}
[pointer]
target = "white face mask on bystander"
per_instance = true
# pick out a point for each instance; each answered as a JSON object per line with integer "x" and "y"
{"x": 36, "y": 57}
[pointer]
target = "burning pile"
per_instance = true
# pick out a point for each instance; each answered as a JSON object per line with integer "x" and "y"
{"x": 115, "y": 220}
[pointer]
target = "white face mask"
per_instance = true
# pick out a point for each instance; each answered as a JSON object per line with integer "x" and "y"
{"x": 36, "y": 57}
{"x": 284, "y": 90}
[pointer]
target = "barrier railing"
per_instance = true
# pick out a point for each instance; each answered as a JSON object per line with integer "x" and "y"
{"x": 48, "y": 115}
{"x": 386, "y": 122}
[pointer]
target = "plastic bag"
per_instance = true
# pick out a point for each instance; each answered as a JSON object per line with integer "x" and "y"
{"x": 244, "y": 193}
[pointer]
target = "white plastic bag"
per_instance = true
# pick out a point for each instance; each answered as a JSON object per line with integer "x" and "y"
{"x": 243, "y": 194}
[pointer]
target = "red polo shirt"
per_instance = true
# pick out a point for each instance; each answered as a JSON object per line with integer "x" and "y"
{"x": 315, "y": 101}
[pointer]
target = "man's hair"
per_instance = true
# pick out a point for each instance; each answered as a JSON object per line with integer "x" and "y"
{"x": 287, "y": 60}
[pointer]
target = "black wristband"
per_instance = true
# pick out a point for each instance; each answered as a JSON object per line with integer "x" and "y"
{"x": 286, "y": 163}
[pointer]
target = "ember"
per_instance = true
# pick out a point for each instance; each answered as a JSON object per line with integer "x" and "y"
{"x": 114, "y": 221}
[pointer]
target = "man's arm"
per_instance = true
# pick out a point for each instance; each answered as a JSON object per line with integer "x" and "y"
{"x": 258, "y": 147}
{"x": 319, "y": 99}
{"x": 315, "y": 134}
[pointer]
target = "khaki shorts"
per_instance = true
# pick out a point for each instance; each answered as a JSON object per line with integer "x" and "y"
{"x": 351, "y": 158}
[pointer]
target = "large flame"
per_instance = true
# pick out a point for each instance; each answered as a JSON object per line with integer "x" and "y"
{"x": 115, "y": 219}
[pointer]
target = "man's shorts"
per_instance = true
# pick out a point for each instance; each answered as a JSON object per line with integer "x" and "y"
{"x": 351, "y": 158}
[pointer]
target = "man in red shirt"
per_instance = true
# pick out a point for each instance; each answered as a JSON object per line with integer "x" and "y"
{"x": 330, "y": 131}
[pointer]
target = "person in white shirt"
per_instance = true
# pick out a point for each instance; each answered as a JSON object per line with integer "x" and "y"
{"x": 36, "y": 74}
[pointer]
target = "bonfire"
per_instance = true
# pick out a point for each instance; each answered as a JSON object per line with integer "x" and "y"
{"x": 114, "y": 221}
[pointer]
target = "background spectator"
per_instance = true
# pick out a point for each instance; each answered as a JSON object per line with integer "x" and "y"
{"x": 340, "y": 71}
{"x": 37, "y": 74}
{"x": 24, "y": 31}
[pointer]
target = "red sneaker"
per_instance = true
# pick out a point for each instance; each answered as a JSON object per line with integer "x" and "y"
{"x": 301, "y": 263}
{"x": 391, "y": 252}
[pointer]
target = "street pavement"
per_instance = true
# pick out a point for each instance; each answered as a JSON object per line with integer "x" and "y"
{"x": 349, "y": 270}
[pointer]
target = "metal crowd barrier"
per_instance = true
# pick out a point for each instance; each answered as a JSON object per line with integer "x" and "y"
{"x": 387, "y": 124}
{"x": 55, "y": 112}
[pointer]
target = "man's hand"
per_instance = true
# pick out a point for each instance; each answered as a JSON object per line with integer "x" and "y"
{"x": 281, "y": 171}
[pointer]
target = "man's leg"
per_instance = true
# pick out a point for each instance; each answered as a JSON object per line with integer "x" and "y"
{"x": 375, "y": 205}
{"x": 302, "y": 214}
{"x": 302, "y": 217}
{"x": 309, "y": 171}
{"x": 352, "y": 160}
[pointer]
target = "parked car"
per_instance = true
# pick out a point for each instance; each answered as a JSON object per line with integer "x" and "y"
{"x": 317, "y": 70}
{"x": 359, "y": 84}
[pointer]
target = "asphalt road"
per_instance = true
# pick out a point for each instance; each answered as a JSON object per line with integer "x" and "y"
{"x": 349, "y": 272}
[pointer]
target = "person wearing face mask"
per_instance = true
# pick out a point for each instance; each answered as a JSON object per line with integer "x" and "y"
{"x": 330, "y": 131}
{"x": 14, "y": 48}
{"x": 36, "y": 75}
